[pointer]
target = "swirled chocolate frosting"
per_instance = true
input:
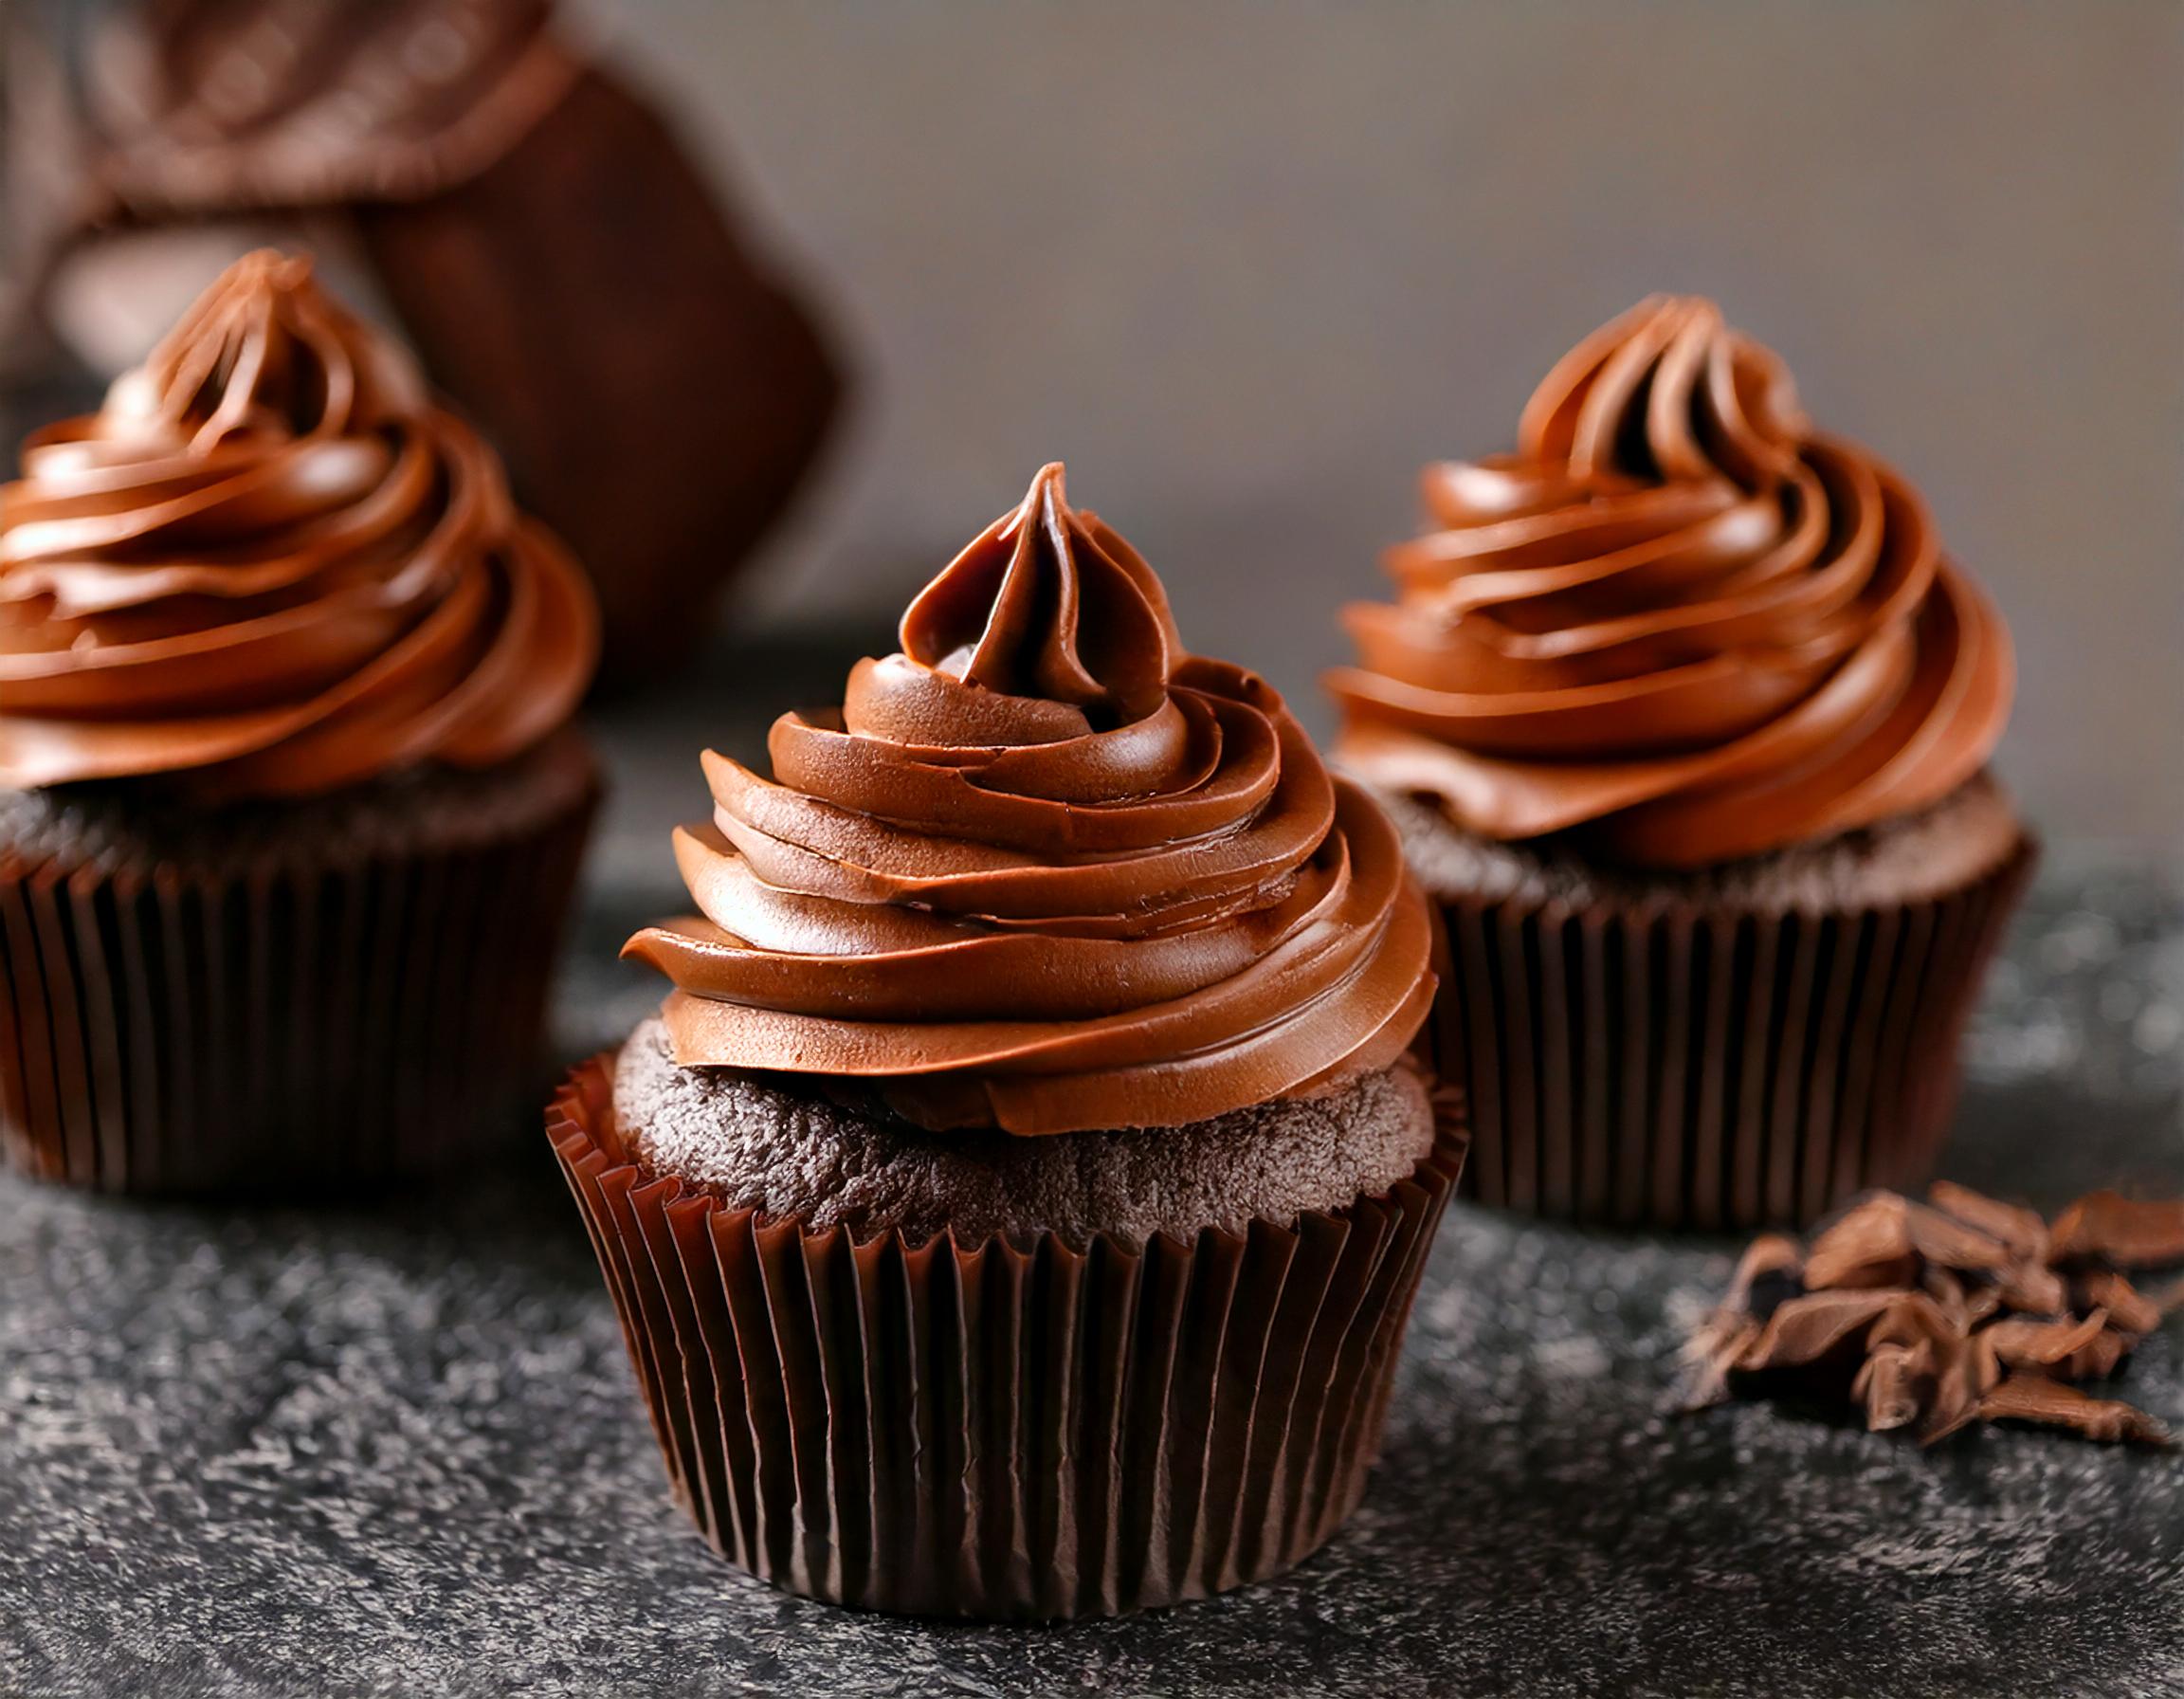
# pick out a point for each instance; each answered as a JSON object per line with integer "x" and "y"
{"x": 1678, "y": 619}
{"x": 270, "y": 566}
{"x": 1043, "y": 871}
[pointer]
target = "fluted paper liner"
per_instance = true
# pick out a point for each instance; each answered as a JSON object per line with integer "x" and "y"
{"x": 1676, "y": 1067}
{"x": 1002, "y": 1429}
{"x": 315, "y": 1018}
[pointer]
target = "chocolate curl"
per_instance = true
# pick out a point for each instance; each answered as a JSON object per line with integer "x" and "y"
{"x": 1882, "y": 1241}
{"x": 1770, "y": 1270}
{"x": 2033, "y": 1290}
{"x": 2032, "y": 1344}
{"x": 1807, "y": 1330}
{"x": 1868, "y": 1246}
{"x": 2099, "y": 1357}
{"x": 1964, "y": 1308}
{"x": 2020, "y": 1228}
{"x": 2105, "y": 1227}
{"x": 2030, "y": 1397}
{"x": 1767, "y": 1275}
{"x": 1893, "y": 1383}
{"x": 1999, "y": 1244}
{"x": 1910, "y": 1346}
{"x": 2132, "y": 1311}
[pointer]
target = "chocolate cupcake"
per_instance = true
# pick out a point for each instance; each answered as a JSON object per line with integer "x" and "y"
{"x": 1685, "y": 719}
{"x": 290, "y": 807}
{"x": 1016, "y": 1207}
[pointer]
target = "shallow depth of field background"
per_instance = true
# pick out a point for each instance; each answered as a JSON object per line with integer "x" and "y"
{"x": 1245, "y": 263}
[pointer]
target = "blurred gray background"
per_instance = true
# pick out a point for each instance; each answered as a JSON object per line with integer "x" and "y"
{"x": 1246, "y": 265}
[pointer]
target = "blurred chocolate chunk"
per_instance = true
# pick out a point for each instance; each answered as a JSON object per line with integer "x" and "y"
{"x": 526, "y": 220}
{"x": 2103, "y": 1228}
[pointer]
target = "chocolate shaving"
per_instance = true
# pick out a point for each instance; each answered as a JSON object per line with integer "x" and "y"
{"x": 2032, "y": 1291}
{"x": 1951, "y": 1243}
{"x": 2104, "y": 1227}
{"x": 2020, "y": 1228}
{"x": 1806, "y": 1329}
{"x": 2109, "y": 1290}
{"x": 1883, "y": 1240}
{"x": 1938, "y": 1316}
{"x": 1772, "y": 1260}
{"x": 1769, "y": 1270}
{"x": 2023, "y": 1344}
{"x": 1869, "y": 1245}
{"x": 1949, "y": 1296}
{"x": 2099, "y": 1357}
{"x": 2026, "y": 1398}
{"x": 1894, "y": 1383}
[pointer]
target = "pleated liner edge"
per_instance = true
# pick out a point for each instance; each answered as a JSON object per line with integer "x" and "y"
{"x": 1667, "y": 1066}
{"x": 999, "y": 1432}
{"x": 291, "y": 1025}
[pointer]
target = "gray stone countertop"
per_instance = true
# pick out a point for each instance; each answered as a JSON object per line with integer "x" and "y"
{"x": 395, "y": 1448}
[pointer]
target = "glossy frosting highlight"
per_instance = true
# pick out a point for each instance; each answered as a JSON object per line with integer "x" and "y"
{"x": 269, "y": 566}
{"x": 1677, "y": 620}
{"x": 1045, "y": 872}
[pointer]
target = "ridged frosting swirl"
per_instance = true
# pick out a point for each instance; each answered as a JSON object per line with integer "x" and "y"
{"x": 270, "y": 566}
{"x": 1041, "y": 870}
{"x": 1677, "y": 618}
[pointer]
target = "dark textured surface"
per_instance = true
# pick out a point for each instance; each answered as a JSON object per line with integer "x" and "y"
{"x": 396, "y": 1448}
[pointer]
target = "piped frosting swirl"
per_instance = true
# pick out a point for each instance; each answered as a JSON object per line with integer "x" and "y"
{"x": 1043, "y": 871}
{"x": 269, "y": 565}
{"x": 1677, "y": 620}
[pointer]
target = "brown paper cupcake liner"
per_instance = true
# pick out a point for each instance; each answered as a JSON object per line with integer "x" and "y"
{"x": 1673, "y": 1067}
{"x": 283, "y": 1025}
{"x": 1002, "y": 1430}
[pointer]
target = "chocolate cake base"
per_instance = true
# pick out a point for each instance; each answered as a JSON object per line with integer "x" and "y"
{"x": 281, "y": 997}
{"x": 1741, "y": 1047}
{"x": 775, "y": 1145}
{"x": 1000, "y": 1427}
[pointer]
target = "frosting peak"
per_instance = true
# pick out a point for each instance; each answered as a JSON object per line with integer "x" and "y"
{"x": 264, "y": 353}
{"x": 1663, "y": 394}
{"x": 1047, "y": 603}
{"x": 269, "y": 565}
{"x": 1043, "y": 871}
{"x": 1677, "y": 620}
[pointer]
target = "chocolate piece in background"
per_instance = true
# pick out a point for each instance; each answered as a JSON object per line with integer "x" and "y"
{"x": 1941, "y": 1315}
{"x": 524, "y": 218}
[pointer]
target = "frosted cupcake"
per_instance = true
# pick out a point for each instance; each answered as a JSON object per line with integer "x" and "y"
{"x": 290, "y": 809}
{"x": 1016, "y": 1206}
{"x": 1685, "y": 719}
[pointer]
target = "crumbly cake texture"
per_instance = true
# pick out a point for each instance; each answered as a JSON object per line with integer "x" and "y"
{"x": 134, "y": 822}
{"x": 1910, "y": 859}
{"x": 758, "y": 1143}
